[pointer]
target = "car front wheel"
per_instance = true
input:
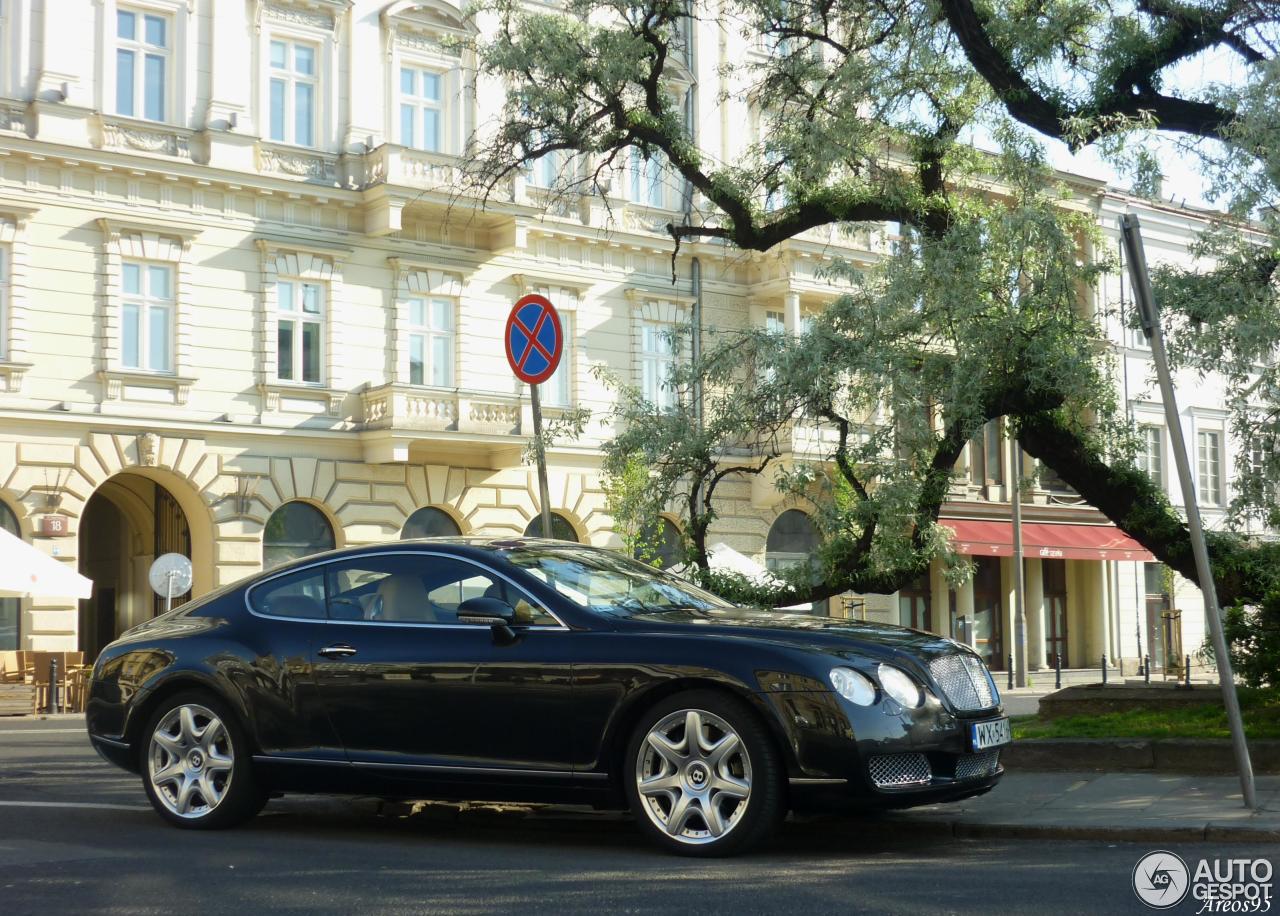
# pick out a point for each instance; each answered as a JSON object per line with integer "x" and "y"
{"x": 195, "y": 764}
{"x": 703, "y": 776}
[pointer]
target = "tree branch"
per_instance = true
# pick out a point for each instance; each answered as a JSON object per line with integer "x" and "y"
{"x": 1131, "y": 94}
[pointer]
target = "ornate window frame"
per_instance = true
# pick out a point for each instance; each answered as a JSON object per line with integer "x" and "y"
{"x": 171, "y": 245}
{"x": 15, "y": 49}
{"x": 296, "y": 260}
{"x": 651, "y": 307}
{"x": 415, "y": 279}
{"x": 14, "y": 333}
{"x": 415, "y": 35}
{"x": 318, "y": 24}
{"x": 172, "y": 136}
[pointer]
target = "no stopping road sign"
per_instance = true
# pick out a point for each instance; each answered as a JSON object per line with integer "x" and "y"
{"x": 534, "y": 339}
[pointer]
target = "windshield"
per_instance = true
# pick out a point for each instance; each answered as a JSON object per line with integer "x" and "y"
{"x": 610, "y": 584}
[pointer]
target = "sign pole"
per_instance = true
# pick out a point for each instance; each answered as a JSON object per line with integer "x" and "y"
{"x": 1019, "y": 587}
{"x": 1150, "y": 318}
{"x": 544, "y": 492}
{"x": 168, "y": 590}
{"x": 534, "y": 339}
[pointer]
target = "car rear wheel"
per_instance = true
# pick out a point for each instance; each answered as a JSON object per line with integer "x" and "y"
{"x": 195, "y": 765}
{"x": 703, "y": 776}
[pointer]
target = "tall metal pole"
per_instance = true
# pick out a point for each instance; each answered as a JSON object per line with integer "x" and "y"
{"x": 1019, "y": 591}
{"x": 544, "y": 492}
{"x": 1150, "y": 318}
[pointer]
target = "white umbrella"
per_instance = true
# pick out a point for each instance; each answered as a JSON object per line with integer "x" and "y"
{"x": 723, "y": 557}
{"x": 27, "y": 573}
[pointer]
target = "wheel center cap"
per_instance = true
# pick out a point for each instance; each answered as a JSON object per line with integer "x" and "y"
{"x": 698, "y": 775}
{"x": 196, "y": 760}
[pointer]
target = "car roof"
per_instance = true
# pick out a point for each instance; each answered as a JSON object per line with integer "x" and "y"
{"x": 474, "y": 547}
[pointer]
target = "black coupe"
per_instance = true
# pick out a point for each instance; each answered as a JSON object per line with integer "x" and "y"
{"x": 532, "y": 670}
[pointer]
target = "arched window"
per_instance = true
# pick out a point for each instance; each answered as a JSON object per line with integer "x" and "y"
{"x": 661, "y": 545}
{"x": 10, "y": 608}
{"x": 429, "y": 522}
{"x": 793, "y": 541}
{"x": 295, "y": 530}
{"x": 561, "y": 528}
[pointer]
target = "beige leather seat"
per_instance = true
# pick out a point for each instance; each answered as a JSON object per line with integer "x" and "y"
{"x": 404, "y": 598}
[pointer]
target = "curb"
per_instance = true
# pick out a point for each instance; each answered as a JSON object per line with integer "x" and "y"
{"x": 961, "y": 829}
{"x": 1205, "y": 757}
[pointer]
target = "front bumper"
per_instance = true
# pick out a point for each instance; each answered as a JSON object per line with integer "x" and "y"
{"x": 881, "y": 756}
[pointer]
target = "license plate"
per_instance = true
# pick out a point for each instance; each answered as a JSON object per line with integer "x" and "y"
{"x": 985, "y": 735}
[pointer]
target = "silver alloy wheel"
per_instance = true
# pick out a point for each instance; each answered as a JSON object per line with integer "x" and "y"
{"x": 694, "y": 776}
{"x": 190, "y": 762}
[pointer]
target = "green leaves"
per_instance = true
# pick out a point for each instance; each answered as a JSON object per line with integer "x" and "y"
{"x": 856, "y": 114}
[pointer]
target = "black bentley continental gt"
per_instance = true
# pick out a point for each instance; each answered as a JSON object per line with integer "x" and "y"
{"x": 539, "y": 671}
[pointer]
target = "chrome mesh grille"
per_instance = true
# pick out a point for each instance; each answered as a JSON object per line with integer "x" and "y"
{"x": 890, "y": 770}
{"x": 965, "y": 680}
{"x": 972, "y": 766}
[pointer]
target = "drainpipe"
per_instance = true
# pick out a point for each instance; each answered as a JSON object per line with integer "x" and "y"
{"x": 695, "y": 266}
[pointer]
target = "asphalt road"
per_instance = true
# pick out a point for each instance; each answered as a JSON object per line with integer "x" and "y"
{"x": 76, "y": 836}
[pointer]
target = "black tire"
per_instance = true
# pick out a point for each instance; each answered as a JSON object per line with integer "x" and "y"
{"x": 765, "y": 804}
{"x": 241, "y": 797}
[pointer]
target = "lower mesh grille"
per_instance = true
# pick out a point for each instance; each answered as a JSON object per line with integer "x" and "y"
{"x": 972, "y": 766}
{"x": 891, "y": 770}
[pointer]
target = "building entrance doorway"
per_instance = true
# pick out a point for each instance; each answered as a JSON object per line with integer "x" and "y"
{"x": 1164, "y": 623}
{"x": 1055, "y": 611}
{"x": 128, "y": 522}
{"x": 988, "y": 612}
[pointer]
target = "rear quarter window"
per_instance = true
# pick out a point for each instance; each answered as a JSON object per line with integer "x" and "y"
{"x": 299, "y": 596}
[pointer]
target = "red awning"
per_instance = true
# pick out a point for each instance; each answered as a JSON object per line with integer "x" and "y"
{"x": 1046, "y": 539}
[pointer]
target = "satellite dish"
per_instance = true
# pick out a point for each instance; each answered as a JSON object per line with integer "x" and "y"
{"x": 170, "y": 575}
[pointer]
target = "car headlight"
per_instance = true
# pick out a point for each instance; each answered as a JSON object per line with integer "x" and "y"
{"x": 900, "y": 686}
{"x": 854, "y": 687}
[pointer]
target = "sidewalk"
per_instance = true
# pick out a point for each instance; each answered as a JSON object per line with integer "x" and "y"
{"x": 1106, "y": 806}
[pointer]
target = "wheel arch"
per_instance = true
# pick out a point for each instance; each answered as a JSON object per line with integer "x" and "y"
{"x": 629, "y": 717}
{"x": 174, "y": 684}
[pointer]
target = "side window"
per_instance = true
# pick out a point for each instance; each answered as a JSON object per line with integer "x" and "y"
{"x": 417, "y": 588}
{"x": 300, "y": 595}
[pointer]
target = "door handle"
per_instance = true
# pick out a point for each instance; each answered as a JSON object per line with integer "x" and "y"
{"x": 338, "y": 650}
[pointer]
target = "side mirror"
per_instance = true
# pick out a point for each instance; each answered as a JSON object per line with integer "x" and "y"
{"x": 486, "y": 612}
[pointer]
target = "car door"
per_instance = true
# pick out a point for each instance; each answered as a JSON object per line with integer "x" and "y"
{"x": 407, "y": 685}
{"x": 288, "y": 620}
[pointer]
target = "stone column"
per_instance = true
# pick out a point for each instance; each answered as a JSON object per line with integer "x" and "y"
{"x": 939, "y": 600}
{"x": 1008, "y": 636}
{"x": 368, "y": 67}
{"x": 1037, "y": 625}
{"x": 65, "y": 86}
{"x": 791, "y": 313}
{"x": 964, "y": 607}
{"x": 228, "y": 124}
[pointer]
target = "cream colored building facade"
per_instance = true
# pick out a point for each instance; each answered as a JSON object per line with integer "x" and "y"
{"x": 237, "y": 277}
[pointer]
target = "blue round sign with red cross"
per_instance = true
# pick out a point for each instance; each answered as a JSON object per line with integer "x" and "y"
{"x": 534, "y": 339}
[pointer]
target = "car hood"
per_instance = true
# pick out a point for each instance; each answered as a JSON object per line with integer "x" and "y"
{"x": 830, "y": 635}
